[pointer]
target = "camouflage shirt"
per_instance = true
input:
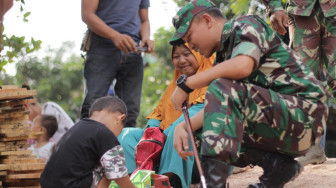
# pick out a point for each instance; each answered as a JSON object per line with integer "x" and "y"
{"x": 302, "y": 7}
{"x": 277, "y": 67}
{"x": 112, "y": 165}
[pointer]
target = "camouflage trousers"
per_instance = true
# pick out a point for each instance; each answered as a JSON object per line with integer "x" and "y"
{"x": 314, "y": 38}
{"x": 241, "y": 115}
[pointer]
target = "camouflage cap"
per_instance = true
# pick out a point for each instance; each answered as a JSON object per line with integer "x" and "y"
{"x": 182, "y": 19}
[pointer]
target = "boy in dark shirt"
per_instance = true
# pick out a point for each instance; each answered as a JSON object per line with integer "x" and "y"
{"x": 89, "y": 154}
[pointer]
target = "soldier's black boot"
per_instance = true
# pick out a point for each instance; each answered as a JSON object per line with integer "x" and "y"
{"x": 215, "y": 172}
{"x": 278, "y": 169}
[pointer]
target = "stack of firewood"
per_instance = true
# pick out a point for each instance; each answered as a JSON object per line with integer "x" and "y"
{"x": 18, "y": 167}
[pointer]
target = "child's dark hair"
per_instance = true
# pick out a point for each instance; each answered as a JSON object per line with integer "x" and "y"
{"x": 49, "y": 122}
{"x": 25, "y": 86}
{"x": 109, "y": 103}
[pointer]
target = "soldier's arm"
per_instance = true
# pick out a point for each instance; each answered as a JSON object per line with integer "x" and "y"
{"x": 236, "y": 68}
{"x": 273, "y": 6}
{"x": 278, "y": 17}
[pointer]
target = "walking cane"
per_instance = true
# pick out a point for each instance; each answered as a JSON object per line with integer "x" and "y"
{"x": 191, "y": 135}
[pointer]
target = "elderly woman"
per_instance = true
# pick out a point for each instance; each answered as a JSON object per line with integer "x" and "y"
{"x": 179, "y": 171}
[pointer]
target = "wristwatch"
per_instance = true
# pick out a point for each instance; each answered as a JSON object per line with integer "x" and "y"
{"x": 180, "y": 82}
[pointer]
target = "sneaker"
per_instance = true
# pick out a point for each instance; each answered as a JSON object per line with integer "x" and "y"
{"x": 315, "y": 155}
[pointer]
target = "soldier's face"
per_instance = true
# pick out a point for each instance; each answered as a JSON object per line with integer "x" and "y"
{"x": 199, "y": 38}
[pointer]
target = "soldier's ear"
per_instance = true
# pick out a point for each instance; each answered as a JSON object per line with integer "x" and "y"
{"x": 207, "y": 19}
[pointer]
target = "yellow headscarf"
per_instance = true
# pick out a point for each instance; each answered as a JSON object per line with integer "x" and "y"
{"x": 164, "y": 111}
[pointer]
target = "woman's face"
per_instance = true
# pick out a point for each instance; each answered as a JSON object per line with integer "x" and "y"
{"x": 184, "y": 60}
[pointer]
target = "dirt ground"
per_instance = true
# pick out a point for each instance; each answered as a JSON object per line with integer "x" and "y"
{"x": 313, "y": 176}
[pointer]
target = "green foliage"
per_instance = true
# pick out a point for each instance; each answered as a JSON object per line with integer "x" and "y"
{"x": 223, "y": 5}
{"x": 234, "y": 8}
{"x": 55, "y": 77}
{"x": 240, "y": 7}
{"x": 157, "y": 75}
{"x": 15, "y": 47}
{"x": 162, "y": 46}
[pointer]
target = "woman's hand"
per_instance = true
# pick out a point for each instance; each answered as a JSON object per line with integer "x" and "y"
{"x": 181, "y": 143}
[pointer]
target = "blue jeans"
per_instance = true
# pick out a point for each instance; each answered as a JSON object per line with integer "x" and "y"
{"x": 102, "y": 66}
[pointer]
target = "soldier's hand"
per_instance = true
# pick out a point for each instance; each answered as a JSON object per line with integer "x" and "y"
{"x": 125, "y": 43}
{"x": 279, "y": 20}
{"x": 178, "y": 98}
{"x": 181, "y": 143}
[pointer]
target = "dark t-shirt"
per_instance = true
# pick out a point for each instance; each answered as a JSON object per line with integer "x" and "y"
{"x": 122, "y": 16}
{"x": 76, "y": 155}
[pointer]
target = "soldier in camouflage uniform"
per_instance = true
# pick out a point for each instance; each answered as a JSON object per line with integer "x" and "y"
{"x": 89, "y": 154}
{"x": 263, "y": 106}
{"x": 312, "y": 32}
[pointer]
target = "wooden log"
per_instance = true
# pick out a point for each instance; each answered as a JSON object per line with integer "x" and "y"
{"x": 27, "y": 166}
{"x": 14, "y": 121}
{"x": 19, "y": 102}
{"x": 21, "y": 160}
{"x": 12, "y": 110}
{"x": 21, "y": 124}
{"x": 3, "y": 173}
{"x": 13, "y": 143}
{"x": 9, "y": 87}
{"x": 24, "y": 176}
{"x": 18, "y": 133}
{"x": 14, "y": 138}
{"x": 14, "y": 115}
{"x": 16, "y": 93}
{"x": 22, "y": 152}
{"x": 19, "y": 130}
{"x": 14, "y": 148}
{"x": 19, "y": 157}
{"x": 4, "y": 167}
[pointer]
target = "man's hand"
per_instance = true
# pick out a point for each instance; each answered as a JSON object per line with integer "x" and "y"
{"x": 125, "y": 43}
{"x": 279, "y": 20}
{"x": 178, "y": 98}
{"x": 181, "y": 143}
{"x": 149, "y": 44}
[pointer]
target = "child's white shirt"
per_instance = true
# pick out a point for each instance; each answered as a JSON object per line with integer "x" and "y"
{"x": 43, "y": 152}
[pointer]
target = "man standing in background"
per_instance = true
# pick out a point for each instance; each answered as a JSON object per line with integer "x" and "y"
{"x": 312, "y": 32}
{"x": 117, "y": 29}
